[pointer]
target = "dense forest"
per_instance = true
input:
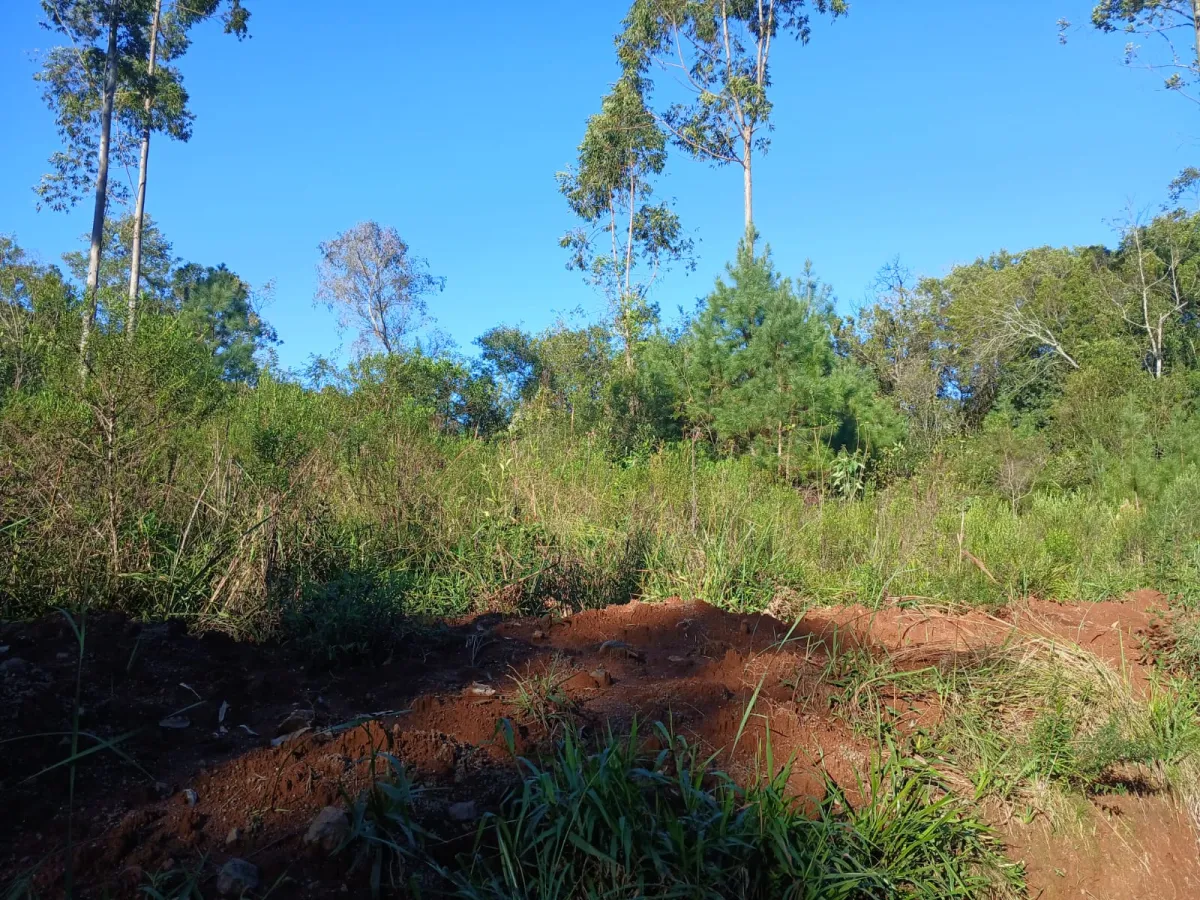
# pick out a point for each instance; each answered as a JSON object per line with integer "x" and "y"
{"x": 1022, "y": 427}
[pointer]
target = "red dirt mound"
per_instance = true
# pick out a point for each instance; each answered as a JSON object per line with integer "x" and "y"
{"x": 205, "y": 774}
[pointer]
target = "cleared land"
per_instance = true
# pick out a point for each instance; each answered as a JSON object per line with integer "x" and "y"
{"x": 1048, "y": 723}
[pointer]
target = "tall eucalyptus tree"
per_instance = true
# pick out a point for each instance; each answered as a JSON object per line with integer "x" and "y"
{"x": 720, "y": 51}
{"x": 628, "y": 237}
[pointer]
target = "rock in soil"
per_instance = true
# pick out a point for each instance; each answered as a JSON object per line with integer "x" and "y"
{"x": 297, "y": 719}
{"x": 14, "y": 666}
{"x": 237, "y": 876}
{"x": 620, "y": 650}
{"x": 328, "y": 829}
{"x": 289, "y": 736}
{"x": 463, "y": 812}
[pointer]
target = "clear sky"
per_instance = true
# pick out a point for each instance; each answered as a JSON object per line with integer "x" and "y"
{"x": 937, "y": 131}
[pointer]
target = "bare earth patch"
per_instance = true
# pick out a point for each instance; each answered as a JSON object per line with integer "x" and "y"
{"x": 263, "y": 741}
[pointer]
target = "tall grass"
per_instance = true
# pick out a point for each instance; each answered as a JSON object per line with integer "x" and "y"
{"x": 650, "y": 815}
{"x": 288, "y": 504}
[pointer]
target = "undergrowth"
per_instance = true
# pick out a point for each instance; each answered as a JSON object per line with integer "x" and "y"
{"x": 1032, "y": 720}
{"x": 651, "y": 816}
{"x": 272, "y": 522}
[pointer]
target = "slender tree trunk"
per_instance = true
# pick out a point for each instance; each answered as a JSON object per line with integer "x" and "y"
{"x": 695, "y": 500}
{"x": 627, "y": 335}
{"x": 106, "y": 111}
{"x": 626, "y": 299}
{"x": 135, "y": 264}
{"x": 748, "y": 191}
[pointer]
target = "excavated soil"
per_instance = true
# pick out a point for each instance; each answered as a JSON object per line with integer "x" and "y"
{"x": 198, "y": 770}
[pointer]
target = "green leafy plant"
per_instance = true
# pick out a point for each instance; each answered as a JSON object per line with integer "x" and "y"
{"x": 540, "y": 697}
{"x": 650, "y": 815}
{"x": 383, "y": 835}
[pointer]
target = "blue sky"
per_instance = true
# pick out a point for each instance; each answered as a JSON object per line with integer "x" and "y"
{"x": 936, "y": 131}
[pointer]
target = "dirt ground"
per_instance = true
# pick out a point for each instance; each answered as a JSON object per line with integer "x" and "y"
{"x": 205, "y": 775}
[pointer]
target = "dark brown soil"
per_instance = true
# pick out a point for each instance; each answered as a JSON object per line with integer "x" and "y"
{"x": 175, "y": 796}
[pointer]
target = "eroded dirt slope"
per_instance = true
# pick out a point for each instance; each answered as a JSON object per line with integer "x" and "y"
{"x": 208, "y": 776}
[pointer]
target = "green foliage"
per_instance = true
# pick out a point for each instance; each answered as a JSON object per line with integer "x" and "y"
{"x": 540, "y": 697}
{"x": 72, "y": 78}
{"x": 1032, "y": 720}
{"x": 352, "y": 617}
{"x": 38, "y": 319}
{"x": 900, "y": 340}
{"x": 211, "y": 302}
{"x": 649, "y": 816}
{"x": 1158, "y": 21}
{"x": 216, "y": 306}
{"x": 627, "y": 237}
{"x": 383, "y": 835}
{"x": 721, "y": 54}
{"x": 763, "y": 374}
{"x": 411, "y": 484}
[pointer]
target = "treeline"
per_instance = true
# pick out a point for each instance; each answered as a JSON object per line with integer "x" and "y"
{"x": 1035, "y": 410}
{"x": 1044, "y": 346}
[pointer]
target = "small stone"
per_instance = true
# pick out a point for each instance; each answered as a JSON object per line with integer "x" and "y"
{"x": 462, "y": 812}
{"x": 236, "y": 878}
{"x": 328, "y": 829}
{"x": 14, "y": 666}
{"x": 580, "y": 681}
{"x": 191, "y": 797}
{"x": 296, "y": 719}
{"x": 289, "y": 737}
{"x": 602, "y": 677}
{"x": 235, "y": 835}
{"x": 481, "y": 690}
{"x": 175, "y": 723}
{"x": 679, "y": 660}
{"x": 539, "y": 635}
{"x": 621, "y": 650}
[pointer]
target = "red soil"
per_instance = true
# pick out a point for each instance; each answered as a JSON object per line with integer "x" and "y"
{"x": 692, "y": 664}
